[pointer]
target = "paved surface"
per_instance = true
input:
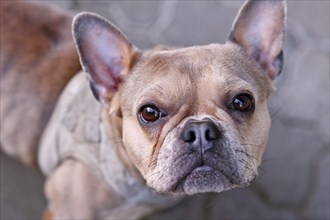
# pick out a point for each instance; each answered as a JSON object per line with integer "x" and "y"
{"x": 294, "y": 177}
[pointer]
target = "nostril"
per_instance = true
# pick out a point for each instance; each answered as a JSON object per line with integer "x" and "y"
{"x": 208, "y": 136}
{"x": 189, "y": 136}
{"x": 212, "y": 134}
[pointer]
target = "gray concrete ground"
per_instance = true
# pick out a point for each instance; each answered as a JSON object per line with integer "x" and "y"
{"x": 294, "y": 176}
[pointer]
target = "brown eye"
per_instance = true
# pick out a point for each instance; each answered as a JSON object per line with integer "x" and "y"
{"x": 242, "y": 102}
{"x": 149, "y": 114}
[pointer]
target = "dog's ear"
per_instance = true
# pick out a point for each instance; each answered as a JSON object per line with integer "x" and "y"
{"x": 259, "y": 28}
{"x": 105, "y": 53}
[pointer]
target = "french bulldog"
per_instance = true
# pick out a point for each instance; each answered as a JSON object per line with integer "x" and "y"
{"x": 144, "y": 129}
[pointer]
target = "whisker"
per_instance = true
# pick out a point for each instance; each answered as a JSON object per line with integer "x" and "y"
{"x": 253, "y": 145}
{"x": 165, "y": 169}
{"x": 247, "y": 166}
{"x": 155, "y": 173}
{"x": 247, "y": 154}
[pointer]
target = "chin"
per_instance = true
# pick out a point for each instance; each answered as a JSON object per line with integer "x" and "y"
{"x": 206, "y": 179}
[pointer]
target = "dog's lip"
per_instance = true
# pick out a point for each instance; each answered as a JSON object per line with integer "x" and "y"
{"x": 203, "y": 168}
{"x": 195, "y": 171}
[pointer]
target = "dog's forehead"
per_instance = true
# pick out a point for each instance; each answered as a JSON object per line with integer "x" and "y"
{"x": 192, "y": 61}
{"x": 214, "y": 63}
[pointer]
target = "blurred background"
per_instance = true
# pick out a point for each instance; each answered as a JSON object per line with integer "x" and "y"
{"x": 294, "y": 176}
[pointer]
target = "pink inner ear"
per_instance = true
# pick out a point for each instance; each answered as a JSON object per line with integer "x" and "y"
{"x": 104, "y": 60}
{"x": 262, "y": 31}
{"x": 259, "y": 28}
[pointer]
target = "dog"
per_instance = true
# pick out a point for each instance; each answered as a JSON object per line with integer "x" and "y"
{"x": 135, "y": 132}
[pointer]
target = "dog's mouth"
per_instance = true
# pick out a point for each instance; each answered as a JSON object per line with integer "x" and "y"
{"x": 191, "y": 172}
{"x": 204, "y": 178}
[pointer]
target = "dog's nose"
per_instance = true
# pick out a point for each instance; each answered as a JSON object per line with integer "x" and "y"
{"x": 201, "y": 135}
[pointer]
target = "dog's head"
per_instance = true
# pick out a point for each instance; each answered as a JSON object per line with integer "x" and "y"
{"x": 194, "y": 119}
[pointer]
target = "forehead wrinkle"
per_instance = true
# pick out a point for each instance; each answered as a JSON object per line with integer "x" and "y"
{"x": 234, "y": 82}
{"x": 167, "y": 95}
{"x": 247, "y": 82}
{"x": 152, "y": 92}
{"x": 179, "y": 61}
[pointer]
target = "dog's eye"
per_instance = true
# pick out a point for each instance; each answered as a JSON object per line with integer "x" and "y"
{"x": 243, "y": 103}
{"x": 150, "y": 113}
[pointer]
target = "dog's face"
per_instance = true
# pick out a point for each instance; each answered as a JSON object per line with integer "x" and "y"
{"x": 194, "y": 119}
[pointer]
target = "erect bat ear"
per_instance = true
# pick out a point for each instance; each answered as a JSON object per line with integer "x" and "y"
{"x": 259, "y": 28}
{"x": 105, "y": 53}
